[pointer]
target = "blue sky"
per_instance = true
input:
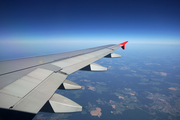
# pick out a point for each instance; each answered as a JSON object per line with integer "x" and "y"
{"x": 88, "y": 22}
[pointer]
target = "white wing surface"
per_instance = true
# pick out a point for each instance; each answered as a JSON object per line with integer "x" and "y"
{"x": 28, "y": 85}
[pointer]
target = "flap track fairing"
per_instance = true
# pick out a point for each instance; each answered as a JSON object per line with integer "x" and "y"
{"x": 113, "y": 55}
{"x": 69, "y": 85}
{"x": 61, "y": 104}
{"x": 94, "y": 67}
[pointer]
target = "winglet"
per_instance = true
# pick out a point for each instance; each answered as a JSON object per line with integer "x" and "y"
{"x": 123, "y": 45}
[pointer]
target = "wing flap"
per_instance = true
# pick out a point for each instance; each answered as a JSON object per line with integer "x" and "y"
{"x": 24, "y": 85}
{"x": 35, "y": 100}
{"x": 31, "y": 92}
{"x": 7, "y": 100}
{"x": 18, "y": 89}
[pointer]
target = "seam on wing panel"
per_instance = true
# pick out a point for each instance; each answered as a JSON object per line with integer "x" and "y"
{"x": 31, "y": 91}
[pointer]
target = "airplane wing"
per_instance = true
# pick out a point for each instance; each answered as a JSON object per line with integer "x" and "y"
{"x": 28, "y": 85}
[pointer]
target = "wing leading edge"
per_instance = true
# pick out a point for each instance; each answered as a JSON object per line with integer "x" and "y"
{"x": 29, "y": 84}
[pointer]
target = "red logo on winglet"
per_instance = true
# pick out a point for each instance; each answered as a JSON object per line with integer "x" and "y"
{"x": 123, "y": 45}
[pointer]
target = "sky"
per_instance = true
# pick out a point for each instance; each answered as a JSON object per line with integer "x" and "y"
{"x": 41, "y": 24}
